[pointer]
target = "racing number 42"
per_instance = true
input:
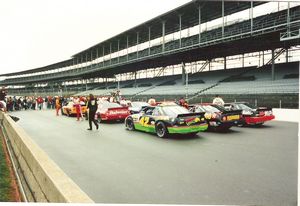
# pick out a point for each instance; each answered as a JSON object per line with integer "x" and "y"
{"x": 144, "y": 121}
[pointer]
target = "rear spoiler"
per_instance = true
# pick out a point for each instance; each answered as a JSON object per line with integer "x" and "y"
{"x": 117, "y": 108}
{"x": 238, "y": 111}
{"x": 264, "y": 109}
{"x": 191, "y": 114}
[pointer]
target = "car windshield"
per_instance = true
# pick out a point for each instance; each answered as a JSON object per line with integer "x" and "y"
{"x": 173, "y": 111}
{"x": 139, "y": 104}
{"x": 245, "y": 106}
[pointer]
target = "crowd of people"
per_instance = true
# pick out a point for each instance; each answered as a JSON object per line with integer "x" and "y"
{"x": 13, "y": 103}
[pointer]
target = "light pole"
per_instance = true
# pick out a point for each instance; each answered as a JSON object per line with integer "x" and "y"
{"x": 186, "y": 85}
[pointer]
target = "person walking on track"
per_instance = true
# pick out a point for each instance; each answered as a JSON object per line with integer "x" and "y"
{"x": 92, "y": 106}
{"x": 57, "y": 105}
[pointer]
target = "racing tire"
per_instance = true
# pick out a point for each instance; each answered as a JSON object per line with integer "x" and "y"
{"x": 193, "y": 134}
{"x": 161, "y": 130}
{"x": 259, "y": 124}
{"x": 130, "y": 124}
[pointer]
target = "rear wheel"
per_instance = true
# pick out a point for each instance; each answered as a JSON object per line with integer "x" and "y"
{"x": 193, "y": 134}
{"x": 161, "y": 130}
{"x": 129, "y": 124}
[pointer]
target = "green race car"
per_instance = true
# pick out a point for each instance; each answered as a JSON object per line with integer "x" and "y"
{"x": 167, "y": 119}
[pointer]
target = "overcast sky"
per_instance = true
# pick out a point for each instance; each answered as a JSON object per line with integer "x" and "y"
{"x": 36, "y": 33}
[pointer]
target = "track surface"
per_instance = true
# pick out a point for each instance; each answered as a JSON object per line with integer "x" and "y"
{"x": 246, "y": 166}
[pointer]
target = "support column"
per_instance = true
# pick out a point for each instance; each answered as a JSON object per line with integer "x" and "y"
{"x": 183, "y": 73}
{"x": 135, "y": 83}
{"x": 225, "y": 64}
{"x": 149, "y": 38}
{"x": 287, "y": 55}
{"x": 243, "y": 60}
{"x": 273, "y": 65}
{"x": 199, "y": 21}
{"x": 103, "y": 53}
{"x": 163, "y": 35}
{"x": 209, "y": 65}
{"x": 251, "y": 16}
{"x": 97, "y": 55}
{"x": 223, "y": 21}
{"x": 259, "y": 59}
{"x": 127, "y": 48}
{"x": 137, "y": 44}
{"x": 263, "y": 58}
{"x": 91, "y": 59}
{"x": 180, "y": 30}
{"x": 118, "y": 51}
{"x": 110, "y": 54}
{"x": 288, "y": 17}
{"x": 86, "y": 59}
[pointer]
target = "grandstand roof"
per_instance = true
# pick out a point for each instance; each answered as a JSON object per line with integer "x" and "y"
{"x": 188, "y": 11}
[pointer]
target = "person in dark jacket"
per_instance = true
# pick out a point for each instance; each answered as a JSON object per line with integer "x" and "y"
{"x": 92, "y": 106}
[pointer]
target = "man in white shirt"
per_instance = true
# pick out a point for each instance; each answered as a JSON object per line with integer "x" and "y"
{"x": 218, "y": 101}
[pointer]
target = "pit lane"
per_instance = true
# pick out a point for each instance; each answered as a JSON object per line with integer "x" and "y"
{"x": 246, "y": 166}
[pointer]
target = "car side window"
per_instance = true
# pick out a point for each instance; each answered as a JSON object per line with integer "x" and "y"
{"x": 149, "y": 111}
{"x": 156, "y": 112}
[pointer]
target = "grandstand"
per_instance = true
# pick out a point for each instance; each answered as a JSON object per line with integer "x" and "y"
{"x": 177, "y": 54}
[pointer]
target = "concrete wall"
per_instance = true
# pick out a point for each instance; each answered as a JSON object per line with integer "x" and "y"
{"x": 288, "y": 115}
{"x": 42, "y": 179}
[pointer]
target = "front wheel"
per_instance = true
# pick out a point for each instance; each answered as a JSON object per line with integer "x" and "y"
{"x": 129, "y": 124}
{"x": 161, "y": 130}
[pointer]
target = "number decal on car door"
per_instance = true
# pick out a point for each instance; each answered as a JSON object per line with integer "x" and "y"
{"x": 144, "y": 121}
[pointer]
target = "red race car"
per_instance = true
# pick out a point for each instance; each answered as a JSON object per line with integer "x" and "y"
{"x": 252, "y": 115}
{"x": 111, "y": 111}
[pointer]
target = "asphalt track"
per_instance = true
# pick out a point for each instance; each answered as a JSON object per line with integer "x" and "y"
{"x": 246, "y": 166}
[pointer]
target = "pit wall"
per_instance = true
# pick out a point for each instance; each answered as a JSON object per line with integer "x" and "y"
{"x": 41, "y": 178}
{"x": 288, "y": 115}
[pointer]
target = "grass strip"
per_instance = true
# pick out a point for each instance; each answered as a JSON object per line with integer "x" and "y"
{"x": 5, "y": 181}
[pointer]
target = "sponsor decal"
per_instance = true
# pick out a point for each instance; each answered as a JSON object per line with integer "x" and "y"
{"x": 117, "y": 112}
{"x": 192, "y": 121}
{"x": 207, "y": 116}
{"x": 233, "y": 117}
{"x": 144, "y": 121}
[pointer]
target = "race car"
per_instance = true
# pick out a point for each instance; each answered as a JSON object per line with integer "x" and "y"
{"x": 252, "y": 115}
{"x": 70, "y": 109}
{"x": 218, "y": 118}
{"x": 108, "y": 111}
{"x": 165, "y": 120}
{"x": 136, "y": 107}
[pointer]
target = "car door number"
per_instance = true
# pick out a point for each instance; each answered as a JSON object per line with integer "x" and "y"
{"x": 144, "y": 121}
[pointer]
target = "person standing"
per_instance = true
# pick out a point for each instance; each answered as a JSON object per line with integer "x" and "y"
{"x": 57, "y": 105}
{"x": 77, "y": 105}
{"x": 3, "y": 94}
{"x": 152, "y": 101}
{"x": 218, "y": 101}
{"x": 92, "y": 107}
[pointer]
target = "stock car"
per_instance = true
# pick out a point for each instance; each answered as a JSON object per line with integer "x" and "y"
{"x": 108, "y": 111}
{"x": 136, "y": 107}
{"x": 218, "y": 118}
{"x": 70, "y": 109}
{"x": 165, "y": 120}
{"x": 252, "y": 115}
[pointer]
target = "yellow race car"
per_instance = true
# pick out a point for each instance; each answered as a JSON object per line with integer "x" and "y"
{"x": 71, "y": 109}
